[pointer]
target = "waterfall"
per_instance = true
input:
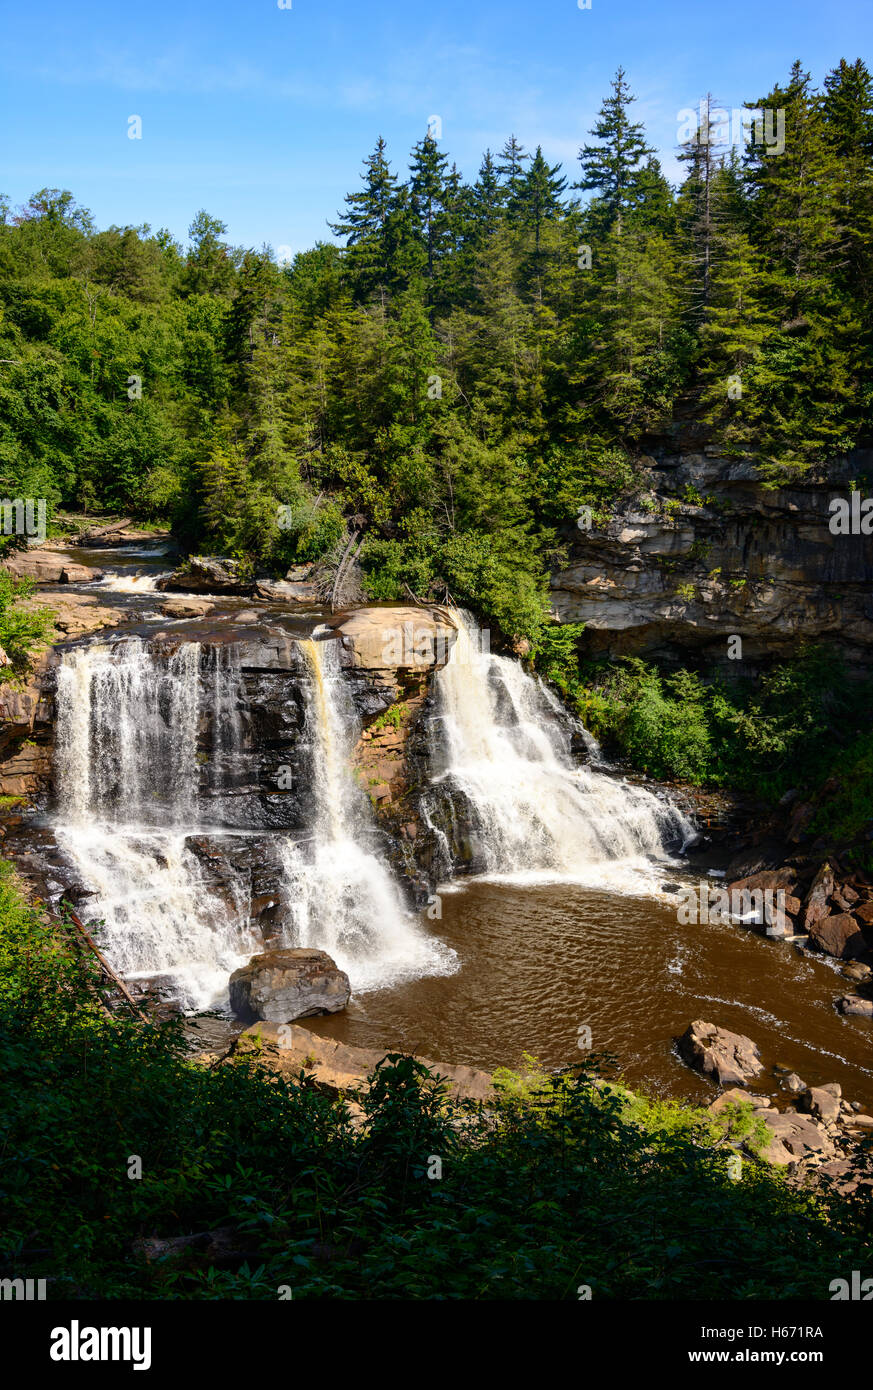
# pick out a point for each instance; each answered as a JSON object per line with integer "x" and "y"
{"x": 535, "y": 814}
{"x": 128, "y": 773}
{"x": 127, "y": 733}
{"x": 134, "y": 725}
{"x": 342, "y": 895}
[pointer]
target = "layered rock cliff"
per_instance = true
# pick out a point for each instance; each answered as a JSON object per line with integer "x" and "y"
{"x": 703, "y": 552}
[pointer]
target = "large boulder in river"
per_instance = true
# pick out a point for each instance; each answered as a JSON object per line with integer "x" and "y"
{"x": 179, "y": 607}
{"x": 283, "y": 985}
{"x": 286, "y": 591}
{"x": 731, "y": 1059}
{"x": 855, "y": 1004}
{"x": 822, "y": 1102}
{"x": 838, "y": 935}
{"x": 207, "y": 574}
{"x": 818, "y": 897}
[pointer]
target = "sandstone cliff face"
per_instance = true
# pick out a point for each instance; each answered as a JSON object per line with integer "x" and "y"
{"x": 667, "y": 574}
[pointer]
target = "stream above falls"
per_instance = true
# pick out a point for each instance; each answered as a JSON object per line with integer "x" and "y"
{"x": 168, "y": 733}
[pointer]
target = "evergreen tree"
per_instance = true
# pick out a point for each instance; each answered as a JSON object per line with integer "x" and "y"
{"x": 611, "y": 167}
{"x": 365, "y": 226}
{"x": 431, "y": 187}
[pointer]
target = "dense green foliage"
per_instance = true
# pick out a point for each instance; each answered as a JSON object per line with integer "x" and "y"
{"x": 566, "y": 1182}
{"x": 787, "y": 729}
{"x": 22, "y": 628}
{"x": 476, "y": 362}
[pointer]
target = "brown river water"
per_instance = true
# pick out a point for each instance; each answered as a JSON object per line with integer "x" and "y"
{"x": 539, "y": 961}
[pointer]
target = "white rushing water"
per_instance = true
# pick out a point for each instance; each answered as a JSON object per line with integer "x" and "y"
{"x": 343, "y": 896}
{"x": 134, "y": 764}
{"x": 538, "y": 815}
{"x": 119, "y": 583}
{"x": 128, "y": 773}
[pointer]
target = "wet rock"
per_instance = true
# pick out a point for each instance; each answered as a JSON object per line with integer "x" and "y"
{"x": 837, "y": 935}
{"x": 731, "y": 1059}
{"x": 186, "y": 607}
{"x": 856, "y": 970}
{"x": 283, "y": 985}
{"x": 854, "y": 1004}
{"x": 794, "y": 1084}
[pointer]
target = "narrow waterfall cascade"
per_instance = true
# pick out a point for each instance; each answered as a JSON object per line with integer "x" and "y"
{"x": 342, "y": 895}
{"x": 534, "y": 813}
{"x": 128, "y": 778}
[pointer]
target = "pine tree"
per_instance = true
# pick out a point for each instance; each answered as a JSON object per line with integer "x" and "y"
{"x": 366, "y": 225}
{"x": 488, "y": 199}
{"x": 698, "y": 213}
{"x": 847, "y": 111}
{"x": 538, "y": 196}
{"x": 612, "y": 167}
{"x": 791, "y": 197}
{"x": 431, "y": 187}
{"x": 513, "y": 158}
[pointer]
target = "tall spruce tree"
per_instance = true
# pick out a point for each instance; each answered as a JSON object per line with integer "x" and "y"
{"x": 611, "y": 167}
{"x": 365, "y": 225}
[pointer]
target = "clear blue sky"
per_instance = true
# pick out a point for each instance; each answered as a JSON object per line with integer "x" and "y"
{"x": 263, "y": 115}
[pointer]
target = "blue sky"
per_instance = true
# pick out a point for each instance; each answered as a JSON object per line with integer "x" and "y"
{"x": 263, "y": 115}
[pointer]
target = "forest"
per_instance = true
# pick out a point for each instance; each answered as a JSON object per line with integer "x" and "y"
{"x": 474, "y": 363}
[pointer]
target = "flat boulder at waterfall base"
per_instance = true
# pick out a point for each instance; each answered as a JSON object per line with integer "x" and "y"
{"x": 340, "y": 1068}
{"x": 283, "y": 985}
{"x": 186, "y": 607}
{"x": 46, "y": 567}
{"x": 731, "y": 1059}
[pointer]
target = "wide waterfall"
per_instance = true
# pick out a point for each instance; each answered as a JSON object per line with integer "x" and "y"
{"x": 133, "y": 764}
{"x": 534, "y": 813}
{"x": 128, "y": 776}
{"x": 342, "y": 894}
